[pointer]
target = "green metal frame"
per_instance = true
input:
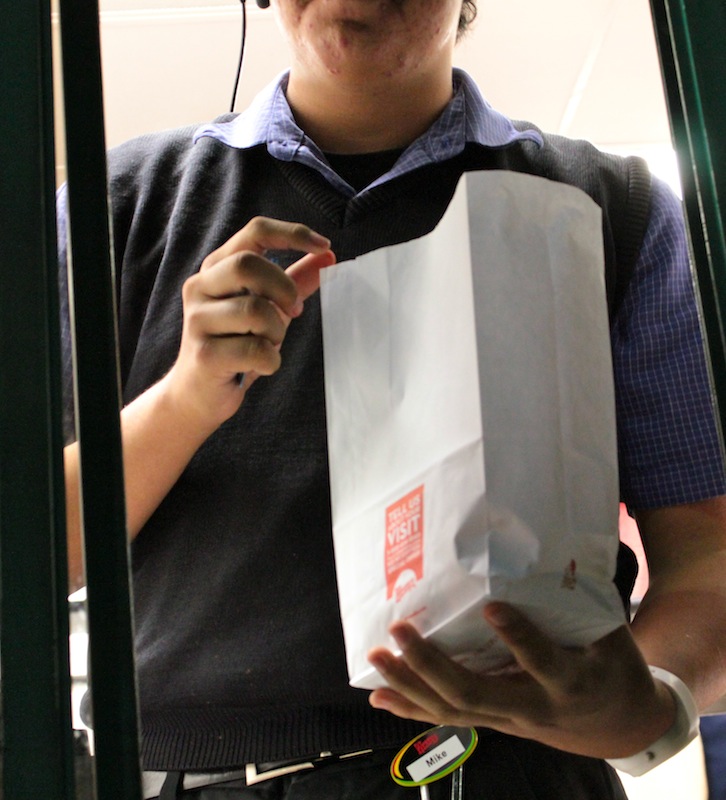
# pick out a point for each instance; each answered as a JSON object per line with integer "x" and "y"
{"x": 112, "y": 670}
{"x": 690, "y": 35}
{"x": 38, "y": 755}
{"x": 34, "y": 644}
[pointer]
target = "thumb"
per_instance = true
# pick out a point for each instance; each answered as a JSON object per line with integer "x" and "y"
{"x": 306, "y": 272}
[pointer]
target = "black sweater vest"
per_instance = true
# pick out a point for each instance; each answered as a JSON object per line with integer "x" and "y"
{"x": 239, "y": 645}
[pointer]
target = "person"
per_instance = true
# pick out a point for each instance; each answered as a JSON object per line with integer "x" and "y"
{"x": 219, "y": 236}
{"x": 713, "y": 735}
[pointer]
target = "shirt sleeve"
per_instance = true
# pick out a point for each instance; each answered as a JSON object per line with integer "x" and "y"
{"x": 669, "y": 444}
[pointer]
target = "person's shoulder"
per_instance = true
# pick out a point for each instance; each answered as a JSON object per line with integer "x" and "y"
{"x": 623, "y": 183}
{"x": 158, "y": 150}
{"x": 150, "y": 147}
{"x": 581, "y": 154}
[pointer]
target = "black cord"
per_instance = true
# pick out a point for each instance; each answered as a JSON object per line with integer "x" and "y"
{"x": 241, "y": 56}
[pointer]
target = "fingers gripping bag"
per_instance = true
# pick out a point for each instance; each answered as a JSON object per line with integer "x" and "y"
{"x": 471, "y": 427}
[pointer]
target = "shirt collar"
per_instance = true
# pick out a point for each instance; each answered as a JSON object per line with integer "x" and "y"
{"x": 467, "y": 118}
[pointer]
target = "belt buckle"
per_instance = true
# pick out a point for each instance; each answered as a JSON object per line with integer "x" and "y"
{"x": 256, "y": 773}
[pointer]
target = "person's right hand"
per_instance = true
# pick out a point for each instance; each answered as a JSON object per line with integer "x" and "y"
{"x": 237, "y": 309}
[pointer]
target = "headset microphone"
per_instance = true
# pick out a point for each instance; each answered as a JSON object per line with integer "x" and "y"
{"x": 261, "y": 4}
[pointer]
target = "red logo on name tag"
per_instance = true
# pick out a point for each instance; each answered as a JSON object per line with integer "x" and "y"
{"x": 404, "y": 544}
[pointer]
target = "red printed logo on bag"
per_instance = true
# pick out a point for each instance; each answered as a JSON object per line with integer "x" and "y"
{"x": 569, "y": 579}
{"x": 404, "y": 544}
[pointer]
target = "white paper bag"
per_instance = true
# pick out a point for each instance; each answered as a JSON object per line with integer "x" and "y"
{"x": 471, "y": 425}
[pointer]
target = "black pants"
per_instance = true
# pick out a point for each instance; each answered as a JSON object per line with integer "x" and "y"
{"x": 501, "y": 768}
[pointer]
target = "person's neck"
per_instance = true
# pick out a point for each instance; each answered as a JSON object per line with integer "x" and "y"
{"x": 366, "y": 118}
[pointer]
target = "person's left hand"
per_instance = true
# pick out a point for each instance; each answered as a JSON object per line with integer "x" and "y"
{"x": 599, "y": 700}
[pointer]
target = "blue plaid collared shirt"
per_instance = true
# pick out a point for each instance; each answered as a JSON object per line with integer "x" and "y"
{"x": 669, "y": 446}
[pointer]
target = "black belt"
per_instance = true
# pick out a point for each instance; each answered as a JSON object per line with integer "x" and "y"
{"x": 175, "y": 783}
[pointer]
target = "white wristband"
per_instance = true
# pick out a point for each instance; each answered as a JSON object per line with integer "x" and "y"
{"x": 683, "y": 731}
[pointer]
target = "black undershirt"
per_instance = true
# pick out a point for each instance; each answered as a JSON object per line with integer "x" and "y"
{"x": 361, "y": 169}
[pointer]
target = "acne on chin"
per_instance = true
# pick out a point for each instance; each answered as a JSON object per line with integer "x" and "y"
{"x": 403, "y": 34}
